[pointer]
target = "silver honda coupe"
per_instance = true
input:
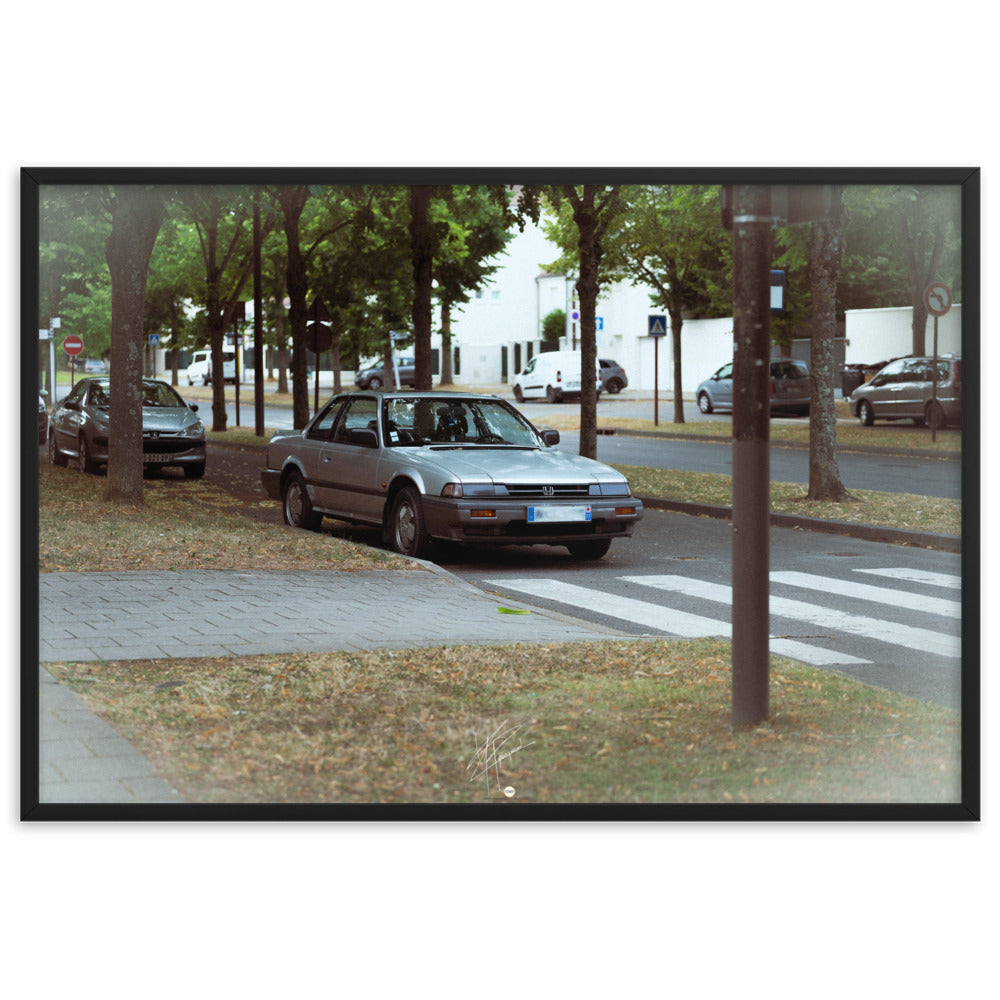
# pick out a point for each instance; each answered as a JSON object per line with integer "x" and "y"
{"x": 446, "y": 465}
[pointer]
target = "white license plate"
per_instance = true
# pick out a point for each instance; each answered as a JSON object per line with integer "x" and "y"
{"x": 157, "y": 458}
{"x": 552, "y": 513}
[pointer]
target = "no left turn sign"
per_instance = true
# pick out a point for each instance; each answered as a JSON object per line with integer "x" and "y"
{"x": 937, "y": 298}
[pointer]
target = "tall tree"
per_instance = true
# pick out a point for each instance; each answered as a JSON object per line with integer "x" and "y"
{"x": 595, "y": 210}
{"x": 221, "y": 219}
{"x": 477, "y": 234}
{"x": 674, "y": 244}
{"x": 136, "y": 216}
{"x": 825, "y": 253}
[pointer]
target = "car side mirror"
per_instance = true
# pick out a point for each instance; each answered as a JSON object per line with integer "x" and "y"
{"x": 550, "y": 437}
{"x": 194, "y": 406}
{"x": 362, "y": 436}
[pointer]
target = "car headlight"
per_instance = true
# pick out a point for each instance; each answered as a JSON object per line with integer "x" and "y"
{"x": 457, "y": 490}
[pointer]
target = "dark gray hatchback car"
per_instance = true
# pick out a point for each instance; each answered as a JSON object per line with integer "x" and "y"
{"x": 905, "y": 389}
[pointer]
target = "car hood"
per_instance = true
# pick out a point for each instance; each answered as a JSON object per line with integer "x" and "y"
{"x": 167, "y": 418}
{"x": 516, "y": 465}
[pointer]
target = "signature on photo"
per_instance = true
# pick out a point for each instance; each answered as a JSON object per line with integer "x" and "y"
{"x": 491, "y": 753}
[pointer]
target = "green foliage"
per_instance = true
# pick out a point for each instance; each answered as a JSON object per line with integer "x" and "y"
{"x": 554, "y": 325}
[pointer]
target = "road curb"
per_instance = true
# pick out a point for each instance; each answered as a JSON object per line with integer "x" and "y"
{"x": 866, "y": 532}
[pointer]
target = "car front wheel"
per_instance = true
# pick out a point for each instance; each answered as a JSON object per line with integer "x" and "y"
{"x": 374, "y": 383}
{"x": 408, "y": 529}
{"x": 704, "y": 403}
{"x": 296, "y": 507}
{"x": 518, "y": 395}
{"x": 866, "y": 415}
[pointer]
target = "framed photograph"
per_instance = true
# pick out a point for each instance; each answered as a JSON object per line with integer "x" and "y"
{"x": 500, "y": 494}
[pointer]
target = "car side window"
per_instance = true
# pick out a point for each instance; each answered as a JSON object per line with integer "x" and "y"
{"x": 360, "y": 414}
{"x": 726, "y": 371}
{"x": 320, "y": 431}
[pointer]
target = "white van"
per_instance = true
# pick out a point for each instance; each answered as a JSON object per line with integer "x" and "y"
{"x": 554, "y": 375}
{"x": 200, "y": 369}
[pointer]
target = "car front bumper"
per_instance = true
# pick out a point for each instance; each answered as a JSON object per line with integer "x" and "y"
{"x": 510, "y": 522}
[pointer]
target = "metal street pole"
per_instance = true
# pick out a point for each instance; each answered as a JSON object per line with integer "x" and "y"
{"x": 258, "y": 323}
{"x": 751, "y": 455}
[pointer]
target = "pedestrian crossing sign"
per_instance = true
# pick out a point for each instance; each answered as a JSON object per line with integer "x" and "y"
{"x": 657, "y": 326}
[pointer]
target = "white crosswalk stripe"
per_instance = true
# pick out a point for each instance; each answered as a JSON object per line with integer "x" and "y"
{"x": 640, "y": 612}
{"x": 822, "y": 617}
{"x": 918, "y": 576}
{"x": 686, "y": 624}
{"x": 877, "y": 595}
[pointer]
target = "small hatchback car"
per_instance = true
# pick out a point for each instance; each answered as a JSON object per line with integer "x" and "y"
{"x": 791, "y": 387}
{"x": 172, "y": 434}
{"x": 906, "y": 389}
{"x": 442, "y": 465}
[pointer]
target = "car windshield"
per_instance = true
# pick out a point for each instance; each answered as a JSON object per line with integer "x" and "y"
{"x": 158, "y": 394}
{"x": 417, "y": 421}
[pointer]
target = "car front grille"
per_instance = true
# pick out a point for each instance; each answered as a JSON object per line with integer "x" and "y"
{"x": 167, "y": 445}
{"x": 538, "y": 491}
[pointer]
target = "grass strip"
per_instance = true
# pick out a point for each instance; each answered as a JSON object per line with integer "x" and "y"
{"x": 623, "y": 722}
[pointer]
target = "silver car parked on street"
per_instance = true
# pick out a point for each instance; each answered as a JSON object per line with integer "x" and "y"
{"x": 790, "y": 388}
{"x": 445, "y": 465}
{"x": 905, "y": 389}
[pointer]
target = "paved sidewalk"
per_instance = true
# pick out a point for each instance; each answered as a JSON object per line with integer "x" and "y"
{"x": 163, "y": 615}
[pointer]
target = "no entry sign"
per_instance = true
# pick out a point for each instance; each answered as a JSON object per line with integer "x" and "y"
{"x": 73, "y": 344}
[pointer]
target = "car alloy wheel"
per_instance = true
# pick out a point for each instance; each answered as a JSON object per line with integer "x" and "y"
{"x": 704, "y": 403}
{"x": 934, "y": 416}
{"x": 83, "y": 457}
{"x": 614, "y": 386}
{"x": 866, "y": 415}
{"x": 296, "y": 506}
{"x": 374, "y": 383}
{"x": 409, "y": 534}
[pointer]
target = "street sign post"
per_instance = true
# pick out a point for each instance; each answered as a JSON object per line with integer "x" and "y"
{"x": 72, "y": 346}
{"x": 656, "y": 327}
{"x": 937, "y": 298}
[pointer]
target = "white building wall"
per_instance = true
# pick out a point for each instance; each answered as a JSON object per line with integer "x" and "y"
{"x": 511, "y": 308}
{"x": 875, "y": 335}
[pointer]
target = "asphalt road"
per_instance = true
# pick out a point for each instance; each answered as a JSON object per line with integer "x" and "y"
{"x": 888, "y": 615}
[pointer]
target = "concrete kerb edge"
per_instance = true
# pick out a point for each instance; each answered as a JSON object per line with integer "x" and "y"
{"x": 867, "y": 532}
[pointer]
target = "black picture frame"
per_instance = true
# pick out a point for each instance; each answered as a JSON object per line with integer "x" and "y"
{"x": 33, "y": 179}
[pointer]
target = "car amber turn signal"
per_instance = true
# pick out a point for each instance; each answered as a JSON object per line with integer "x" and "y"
{"x": 482, "y": 513}
{"x": 623, "y": 511}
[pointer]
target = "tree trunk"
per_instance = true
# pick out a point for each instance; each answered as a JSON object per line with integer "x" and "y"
{"x": 826, "y": 249}
{"x": 447, "y": 375}
{"x": 586, "y": 286}
{"x": 422, "y": 252}
{"x": 292, "y": 202}
{"x": 676, "y": 322}
{"x": 137, "y": 214}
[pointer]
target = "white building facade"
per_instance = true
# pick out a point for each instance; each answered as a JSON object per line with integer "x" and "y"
{"x": 499, "y": 330}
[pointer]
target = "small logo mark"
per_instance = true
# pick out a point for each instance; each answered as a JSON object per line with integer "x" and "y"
{"x": 548, "y": 491}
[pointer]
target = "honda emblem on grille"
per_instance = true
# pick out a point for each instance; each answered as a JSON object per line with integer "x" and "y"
{"x": 548, "y": 491}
